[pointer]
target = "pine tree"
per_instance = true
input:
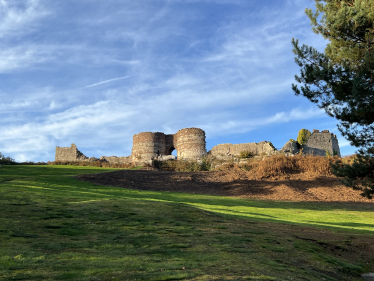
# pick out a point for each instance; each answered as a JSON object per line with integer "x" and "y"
{"x": 341, "y": 80}
{"x": 303, "y": 136}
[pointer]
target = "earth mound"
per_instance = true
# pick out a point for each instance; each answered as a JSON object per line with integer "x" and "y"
{"x": 233, "y": 182}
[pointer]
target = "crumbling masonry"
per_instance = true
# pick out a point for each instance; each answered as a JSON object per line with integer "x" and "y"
{"x": 319, "y": 143}
{"x": 190, "y": 144}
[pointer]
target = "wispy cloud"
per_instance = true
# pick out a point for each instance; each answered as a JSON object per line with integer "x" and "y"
{"x": 19, "y": 18}
{"x": 107, "y": 81}
{"x": 228, "y": 71}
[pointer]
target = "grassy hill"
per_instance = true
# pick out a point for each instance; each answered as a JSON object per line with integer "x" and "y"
{"x": 54, "y": 227}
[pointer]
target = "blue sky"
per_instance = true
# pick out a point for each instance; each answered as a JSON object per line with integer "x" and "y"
{"x": 96, "y": 72}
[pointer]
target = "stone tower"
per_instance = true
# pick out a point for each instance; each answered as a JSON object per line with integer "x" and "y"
{"x": 189, "y": 143}
{"x": 320, "y": 142}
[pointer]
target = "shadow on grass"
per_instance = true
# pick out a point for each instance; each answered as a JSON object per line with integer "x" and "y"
{"x": 58, "y": 181}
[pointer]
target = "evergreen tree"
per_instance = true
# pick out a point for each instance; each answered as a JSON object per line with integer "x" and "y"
{"x": 341, "y": 80}
{"x": 303, "y": 136}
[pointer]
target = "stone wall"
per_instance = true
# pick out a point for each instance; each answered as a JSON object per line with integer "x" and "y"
{"x": 117, "y": 160}
{"x": 320, "y": 142}
{"x": 69, "y": 154}
{"x": 189, "y": 143}
{"x": 233, "y": 150}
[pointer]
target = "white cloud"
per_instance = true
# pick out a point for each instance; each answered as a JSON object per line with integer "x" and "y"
{"x": 19, "y": 17}
{"x": 225, "y": 76}
{"x": 247, "y": 125}
{"x": 22, "y": 57}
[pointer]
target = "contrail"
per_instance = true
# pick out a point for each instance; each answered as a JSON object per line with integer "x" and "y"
{"x": 107, "y": 81}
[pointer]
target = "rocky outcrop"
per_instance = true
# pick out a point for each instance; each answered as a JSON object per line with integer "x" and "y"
{"x": 290, "y": 147}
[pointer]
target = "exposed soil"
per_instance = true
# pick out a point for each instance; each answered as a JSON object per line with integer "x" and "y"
{"x": 233, "y": 182}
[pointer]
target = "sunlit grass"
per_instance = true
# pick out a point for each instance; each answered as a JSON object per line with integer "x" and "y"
{"x": 54, "y": 227}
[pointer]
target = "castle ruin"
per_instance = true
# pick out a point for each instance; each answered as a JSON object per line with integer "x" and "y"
{"x": 191, "y": 145}
{"x": 319, "y": 143}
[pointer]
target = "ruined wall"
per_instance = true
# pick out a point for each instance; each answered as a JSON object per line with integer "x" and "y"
{"x": 190, "y": 143}
{"x": 320, "y": 142}
{"x": 229, "y": 150}
{"x": 69, "y": 154}
{"x": 148, "y": 145}
{"x": 117, "y": 160}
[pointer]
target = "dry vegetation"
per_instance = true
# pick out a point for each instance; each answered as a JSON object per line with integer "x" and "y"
{"x": 272, "y": 166}
{"x": 281, "y": 165}
{"x": 98, "y": 163}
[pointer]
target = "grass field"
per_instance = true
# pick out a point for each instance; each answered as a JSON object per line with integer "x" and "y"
{"x": 54, "y": 227}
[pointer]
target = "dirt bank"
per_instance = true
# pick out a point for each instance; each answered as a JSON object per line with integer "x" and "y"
{"x": 234, "y": 182}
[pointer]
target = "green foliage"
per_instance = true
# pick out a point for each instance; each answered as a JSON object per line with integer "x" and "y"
{"x": 245, "y": 155}
{"x": 303, "y": 136}
{"x": 205, "y": 164}
{"x": 341, "y": 80}
{"x": 359, "y": 174}
{"x": 297, "y": 143}
{"x": 6, "y": 160}
{"x": 328, "y": 154}
{"x": 348, "y": 25}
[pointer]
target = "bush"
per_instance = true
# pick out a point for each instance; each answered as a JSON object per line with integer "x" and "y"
{"x": 183, "y": 165}
{"x": 303, "y": 136}
{"x": 6, "y": 160}
{"x": 245, "y": 155}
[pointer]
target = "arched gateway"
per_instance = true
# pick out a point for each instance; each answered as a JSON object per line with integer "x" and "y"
{"x": 189, "y": 143}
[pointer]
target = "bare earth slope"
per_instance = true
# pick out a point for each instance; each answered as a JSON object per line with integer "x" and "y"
{"x": 234, "y": 182}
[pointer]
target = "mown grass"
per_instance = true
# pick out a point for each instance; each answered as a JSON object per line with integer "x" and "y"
{"x": 54, "y": 227}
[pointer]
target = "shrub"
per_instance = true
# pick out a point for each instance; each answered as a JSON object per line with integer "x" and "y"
{"x": 6, "y": 160}
{"x": 303, "y": 136}
{"x": 183, "y": 165}
{"x": 297, "y": 144}
{"x": 245, "y": 155}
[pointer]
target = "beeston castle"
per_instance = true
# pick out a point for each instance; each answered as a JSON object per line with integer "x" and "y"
{"x": 190, "y": 145}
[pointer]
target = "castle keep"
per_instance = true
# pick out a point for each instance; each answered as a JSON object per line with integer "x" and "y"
{"x": 190, "y": 144}
{"x": 321, "y": 142}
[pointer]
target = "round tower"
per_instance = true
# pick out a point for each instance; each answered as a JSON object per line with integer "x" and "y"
{"x": 143, "y": 146}
{"x": 147, "y": 145}
{"x": 190, "y": 143}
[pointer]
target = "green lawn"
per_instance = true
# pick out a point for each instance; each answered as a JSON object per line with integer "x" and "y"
{"x": 54, "y": 227}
